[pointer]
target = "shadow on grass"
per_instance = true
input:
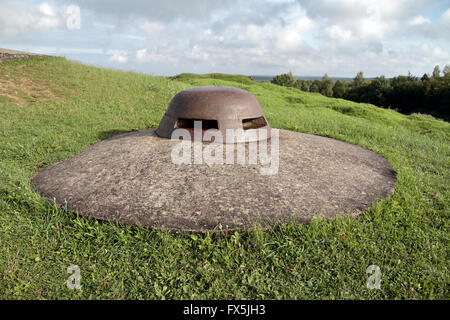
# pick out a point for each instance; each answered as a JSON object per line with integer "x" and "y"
{"x": 110, "y": 133}
{"x": 118, "y": 134}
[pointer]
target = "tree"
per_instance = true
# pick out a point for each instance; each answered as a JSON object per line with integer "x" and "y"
{"x": 292, "y": 79}
{"x": 305, "y": 86}
{"x": 315, "y": 86}
{"x": 338, "y": 89}
{"x": 326, "y": 86}
{"x": 358, "y": 81}
{"x": 410, "y": 77}
{"x": 298, "y": 84}
{"x": 446, "y": 70}
{"x": 378, "y": 90}
{"x": 425, "y": 77}
{"x": 287, "y": 80}
{"x": 406, "y": 94}
{"x": 436, "y": 72}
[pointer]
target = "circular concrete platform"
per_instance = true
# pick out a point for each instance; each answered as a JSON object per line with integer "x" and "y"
{"x": 130, "y": 178}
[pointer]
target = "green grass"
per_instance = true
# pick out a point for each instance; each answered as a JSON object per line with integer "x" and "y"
{"x": 406, "y": 235}
{"x": 220, "y": 76}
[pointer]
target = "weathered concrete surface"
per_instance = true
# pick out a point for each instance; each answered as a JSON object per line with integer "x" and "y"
{"x": 130, "y": 178}
{"x": 9, "y": 55}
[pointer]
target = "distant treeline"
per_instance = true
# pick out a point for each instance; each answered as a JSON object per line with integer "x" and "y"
{"x": 262, "y": 78}
{"x": 429, "y": 94}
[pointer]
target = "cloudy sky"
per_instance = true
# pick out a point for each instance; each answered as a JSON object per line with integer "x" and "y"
{"x": 257, "y": 37}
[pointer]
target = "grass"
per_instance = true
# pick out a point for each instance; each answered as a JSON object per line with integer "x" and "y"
{"x": 220, "y": 76}
{"x": 406, "y": 235}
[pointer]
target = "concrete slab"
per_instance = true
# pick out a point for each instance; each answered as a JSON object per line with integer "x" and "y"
{"x": 130, "y": 178}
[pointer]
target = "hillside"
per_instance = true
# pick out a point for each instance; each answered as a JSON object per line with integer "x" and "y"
{"x": 219, "y": 76}
{"x": 51, "y": 109}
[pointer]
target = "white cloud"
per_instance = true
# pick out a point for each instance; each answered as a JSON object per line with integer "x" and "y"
{"x": 141, "y": 55}
{"x": 340, "y": 34}
{"x": 445, "y": 17}
{"x": 444, "y": 24}
{"x": 255, "y": 34}
{"x": 144, "y": 56}
{"x": 47, "y": 9}
{"x": 290, "y": 38}
{"x": 17, "y": 18}
{"x": 440, "y": 54}
{"x": 197, "y": 53}
{"x": 152, "y": 28}
{"x": 372, "y": 28}
{"x": 240, "y": 36}
{"x": 119, "y": 57}
{"x": 419, "y": 20}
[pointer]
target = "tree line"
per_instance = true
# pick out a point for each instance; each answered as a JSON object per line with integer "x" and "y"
{"x": 429, "y": 94}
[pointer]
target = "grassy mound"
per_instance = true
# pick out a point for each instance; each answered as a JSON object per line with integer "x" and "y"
{"x": 51, "y": 109}
{"x": 219, "y": 76}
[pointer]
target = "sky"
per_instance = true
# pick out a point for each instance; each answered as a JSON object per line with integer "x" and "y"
{"x": 253, "y": 37}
